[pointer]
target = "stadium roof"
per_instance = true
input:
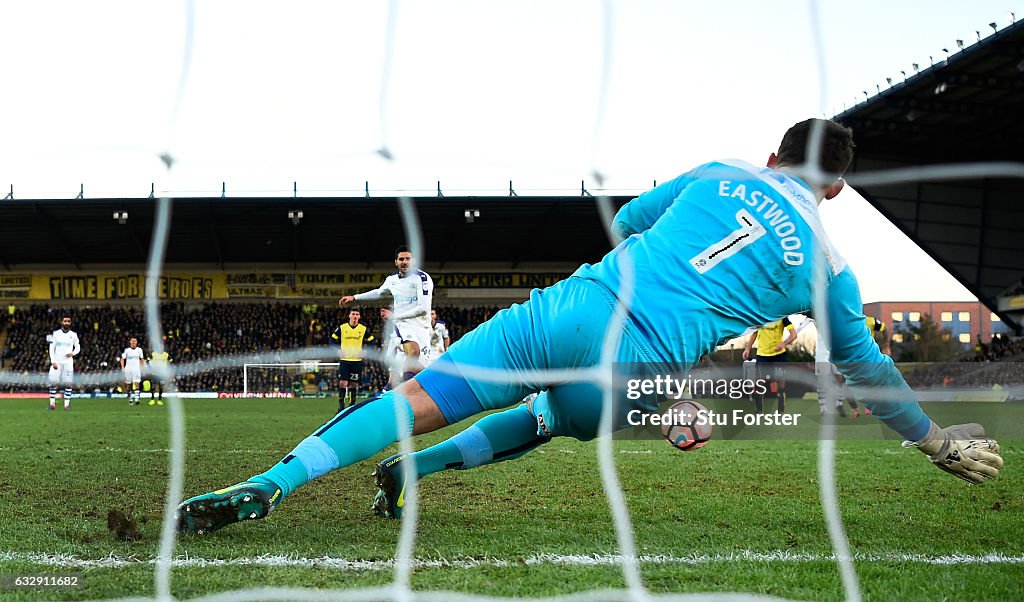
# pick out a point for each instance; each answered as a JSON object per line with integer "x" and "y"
{"x": 966, "y": 108}
{"x": 258, "y": 231}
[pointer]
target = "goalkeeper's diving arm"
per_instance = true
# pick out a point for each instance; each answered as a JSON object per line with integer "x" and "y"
{"x": 962, "y": 450}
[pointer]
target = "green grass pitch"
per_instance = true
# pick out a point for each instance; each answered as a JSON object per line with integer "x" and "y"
{"x": 735, "y": 516}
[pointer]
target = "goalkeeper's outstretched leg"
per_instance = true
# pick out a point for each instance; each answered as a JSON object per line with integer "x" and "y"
{"x": 494, "y": 438}
{"x": 438, "y": 396}
{"x": 566, "y": 410}
{"x": 355, "y": 434}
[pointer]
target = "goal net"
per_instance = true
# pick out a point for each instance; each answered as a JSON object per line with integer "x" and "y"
{"x": 402, "y": 99}
{"x": 307, "y": 378}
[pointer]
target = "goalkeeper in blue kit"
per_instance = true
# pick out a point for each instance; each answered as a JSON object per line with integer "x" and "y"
{"x": 720, "y": 249}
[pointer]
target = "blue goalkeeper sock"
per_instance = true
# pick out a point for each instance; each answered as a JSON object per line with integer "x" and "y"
{"x": 502, "y": 436}
{"x": 351, "y": 436}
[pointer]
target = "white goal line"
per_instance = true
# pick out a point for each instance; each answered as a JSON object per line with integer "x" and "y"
{"x": 580, "y": 560}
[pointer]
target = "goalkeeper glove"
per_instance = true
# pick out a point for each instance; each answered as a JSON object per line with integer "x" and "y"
{"x": 962, "y": 450}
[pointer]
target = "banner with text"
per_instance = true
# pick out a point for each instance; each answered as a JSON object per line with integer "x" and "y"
{"x": 244, "y": 285}
{"x": 333, "y": 286}
{"x": 103, "y": 287}
{"x": 15, "y": 286}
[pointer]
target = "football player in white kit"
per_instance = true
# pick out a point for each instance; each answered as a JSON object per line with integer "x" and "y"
{"x": 64, "y": 346}
{"x": 439, "y": 339}
{"x": 412, "y": 290}
{"x": 393, "y": 355}
{"x": 132, "y": 360}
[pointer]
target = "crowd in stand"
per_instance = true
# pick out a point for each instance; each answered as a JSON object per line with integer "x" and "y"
{"x": 198, "y": 335}
{"x": 1000, "y": 348}
{"x": 1017, "y": 289}
{"x": 1002, "y": 353}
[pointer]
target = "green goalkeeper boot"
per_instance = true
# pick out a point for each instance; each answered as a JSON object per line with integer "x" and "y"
{"x": 215, "y": 510}
{"x": 390, "y": 496}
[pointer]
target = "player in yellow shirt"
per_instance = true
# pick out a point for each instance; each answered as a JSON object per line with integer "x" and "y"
{"x": 772, "y": 341}
{"x": 157, "y": 359}
{"x": 877, "y": 329}
{"x": 350, "y": 338}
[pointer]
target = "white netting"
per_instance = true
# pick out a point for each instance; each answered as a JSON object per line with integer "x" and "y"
{"x": 307, "y": 377}
{"x": 597, "y": 100}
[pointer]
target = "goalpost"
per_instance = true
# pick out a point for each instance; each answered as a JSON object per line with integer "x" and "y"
{"x": 279, "y": 377}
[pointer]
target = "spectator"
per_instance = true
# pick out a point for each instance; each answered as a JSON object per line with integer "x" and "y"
{"x": 196, "y": 333}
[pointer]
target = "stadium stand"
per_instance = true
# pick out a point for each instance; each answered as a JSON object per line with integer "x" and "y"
{"x": 194, "y": 333}
{"x": 970, "y": 226}
{"x": 200, "y": 332}
{"x": 998, "y": 363}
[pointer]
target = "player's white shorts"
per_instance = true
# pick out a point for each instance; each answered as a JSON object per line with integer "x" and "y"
{"x": 825, "y": 369}
{"x": 428, "y": 355}
{"x": 63, "y": 373}
{"x": 132, "y": 376}
{"x": 413, "y": 332}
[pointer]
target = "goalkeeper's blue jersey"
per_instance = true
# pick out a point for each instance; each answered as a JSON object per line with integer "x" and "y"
{"x": 727, "y": 247}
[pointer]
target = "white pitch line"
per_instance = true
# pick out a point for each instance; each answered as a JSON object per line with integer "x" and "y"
{"x": 69, "y": 561}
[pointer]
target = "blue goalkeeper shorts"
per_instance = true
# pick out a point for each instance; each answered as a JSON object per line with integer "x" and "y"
{"x": 560, "y": 327}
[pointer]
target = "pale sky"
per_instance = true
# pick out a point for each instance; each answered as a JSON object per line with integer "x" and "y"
{"x": 478, "y": 93}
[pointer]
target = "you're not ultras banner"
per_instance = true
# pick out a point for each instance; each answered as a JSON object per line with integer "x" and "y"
{"x": 243, "y": 285}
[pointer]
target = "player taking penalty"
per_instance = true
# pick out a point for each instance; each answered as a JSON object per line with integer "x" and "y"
{"x": 704, "y": 248}
{"x": 412, "y": 291}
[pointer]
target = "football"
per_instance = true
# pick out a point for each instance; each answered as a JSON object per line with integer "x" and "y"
{"x": 689, "y": 427}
